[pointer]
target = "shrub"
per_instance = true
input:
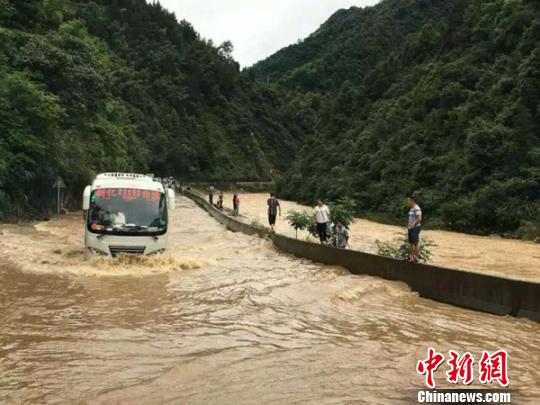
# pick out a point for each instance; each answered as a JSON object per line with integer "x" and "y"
{"x": 299, "y": 220}
{"x": 399, "y": 248}
{"x": 343, "y": 211}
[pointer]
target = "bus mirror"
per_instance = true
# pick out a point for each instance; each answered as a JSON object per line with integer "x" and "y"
{"x": 86, "y": 198}
{"x": 171, "y": 198}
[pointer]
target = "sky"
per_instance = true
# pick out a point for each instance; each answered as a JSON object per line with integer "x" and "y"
{"x": 257, "y": 28}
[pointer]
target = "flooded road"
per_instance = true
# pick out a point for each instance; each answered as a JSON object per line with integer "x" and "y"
{"x": 221, "y": 318}
{"x": 489, "y": 255}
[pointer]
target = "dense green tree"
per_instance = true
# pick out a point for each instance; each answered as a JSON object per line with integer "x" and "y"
{"x": 29, "y": 126}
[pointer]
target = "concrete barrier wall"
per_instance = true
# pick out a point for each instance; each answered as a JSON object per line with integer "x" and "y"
{"x": 456, "y": 287}
{"x": 245, "y": 186}
{"x": 230, "y": 222}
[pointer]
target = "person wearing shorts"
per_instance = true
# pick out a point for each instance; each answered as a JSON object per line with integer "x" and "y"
{"x": 273, "y": 209}
{"x": 414, "y": 226}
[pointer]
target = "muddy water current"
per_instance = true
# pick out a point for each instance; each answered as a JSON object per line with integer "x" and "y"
{"x": 514, "y": 259}
{"x": 222, "y": 318}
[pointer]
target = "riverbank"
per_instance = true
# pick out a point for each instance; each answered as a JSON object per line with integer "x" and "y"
{"x": 483, "y": 254}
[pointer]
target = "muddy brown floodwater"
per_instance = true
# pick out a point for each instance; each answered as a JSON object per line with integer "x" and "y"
{"x": 490, "y": 255}
{"x": 222, "y": 318}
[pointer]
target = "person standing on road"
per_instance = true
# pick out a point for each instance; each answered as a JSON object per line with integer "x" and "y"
{"x": 211, "y": 191}
{"x": 322, "y": 216}
{"x": 236, "y": 204}
{"x": 273, "y": 209}
{"x": 220, "y": 200}
{"x": 414, "y": 226}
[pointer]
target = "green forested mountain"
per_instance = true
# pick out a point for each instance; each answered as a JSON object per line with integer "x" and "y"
{"x": 90, "y": 86}
{"x": 436, "y": 97}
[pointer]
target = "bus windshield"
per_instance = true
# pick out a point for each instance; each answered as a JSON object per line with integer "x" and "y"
{"x": 125, "y": 211}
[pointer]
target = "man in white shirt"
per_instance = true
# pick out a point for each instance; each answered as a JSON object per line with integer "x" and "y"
{"x": 322, "y": 216}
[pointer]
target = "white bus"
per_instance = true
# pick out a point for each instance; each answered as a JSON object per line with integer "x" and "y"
{"x": 126, "y": 214}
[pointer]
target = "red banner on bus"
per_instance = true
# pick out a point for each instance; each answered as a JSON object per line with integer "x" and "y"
{"x": 127, "y": 194}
